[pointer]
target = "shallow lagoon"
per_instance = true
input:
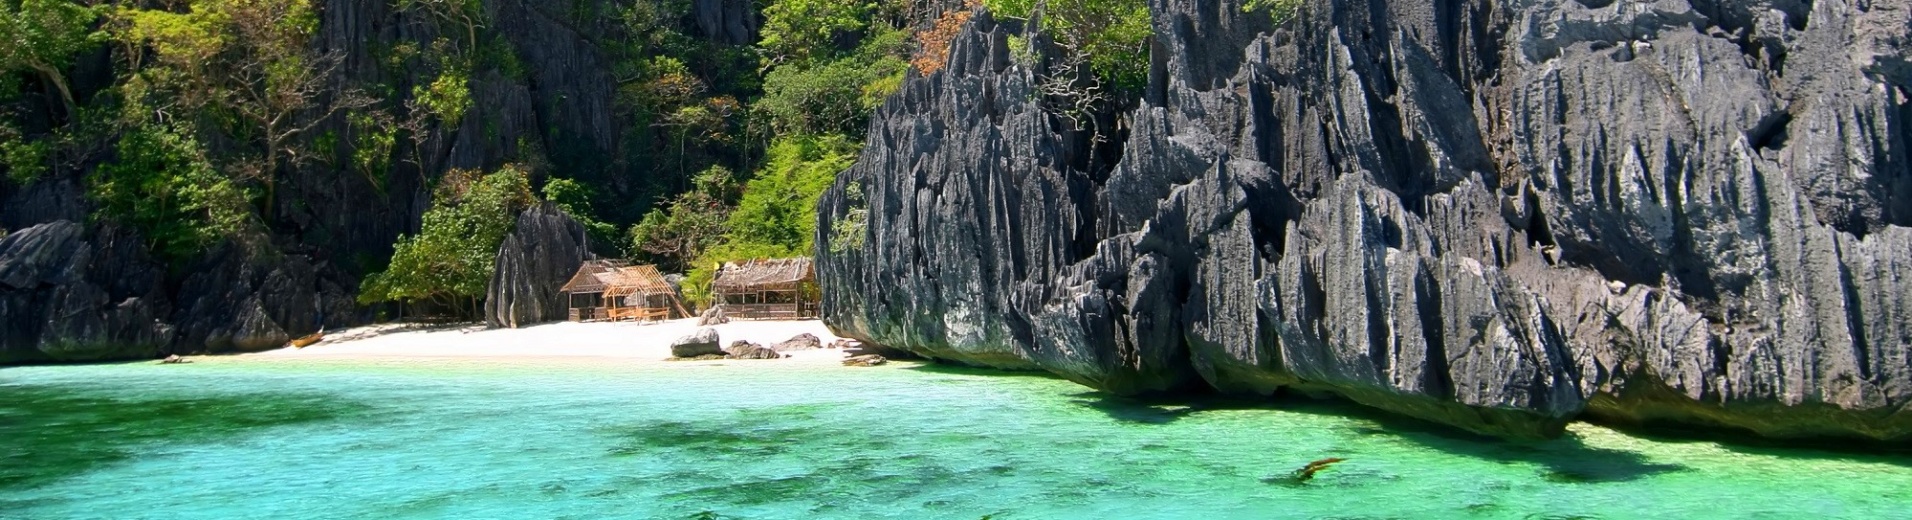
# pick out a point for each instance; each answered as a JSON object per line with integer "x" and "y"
{"x": 235, "y": 438}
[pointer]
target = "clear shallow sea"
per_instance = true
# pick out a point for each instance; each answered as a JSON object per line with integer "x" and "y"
{"x": 295, "y": 440}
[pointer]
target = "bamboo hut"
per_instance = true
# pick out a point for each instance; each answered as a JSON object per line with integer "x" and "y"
{"x": 780, "y": 289}
{"x": 614, "y": 290}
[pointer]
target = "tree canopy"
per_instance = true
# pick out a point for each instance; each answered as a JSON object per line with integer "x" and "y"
{"x": 448, "y": 264}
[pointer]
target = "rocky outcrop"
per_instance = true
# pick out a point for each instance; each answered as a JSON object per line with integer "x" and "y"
{"x": 741, "y": 349}
{"x": 804, "y": 341}
{"x": 713, "y": 316}
{"x": 704, "y": 342}
{"x": 237, "y": 300}
{"x": 67, "y": 296}
{"x": 1497, "y": 215}
{"x": 727, "y": 21}
{"x": 537, "y": 257}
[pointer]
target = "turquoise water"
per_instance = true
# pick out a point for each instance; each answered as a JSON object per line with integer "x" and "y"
{"x": 284, "y": 439}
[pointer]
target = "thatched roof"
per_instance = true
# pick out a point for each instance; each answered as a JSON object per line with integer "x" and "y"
{"x": 614, "y": 278}
{"x": 783, "y": 274}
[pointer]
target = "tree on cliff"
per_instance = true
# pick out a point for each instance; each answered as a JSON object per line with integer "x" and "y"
{"x": 42, "y": 36}
{"x": 448, "y": 264}
{"x": 240, "y": 68}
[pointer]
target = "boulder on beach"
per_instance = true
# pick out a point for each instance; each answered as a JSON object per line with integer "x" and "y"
{"x": 741, "y": 349}
{"x": 701, "y": 343}
{"x": 713, "y": 316}
{"x": 868, "y": 360}
{"x": 804, "y": 341}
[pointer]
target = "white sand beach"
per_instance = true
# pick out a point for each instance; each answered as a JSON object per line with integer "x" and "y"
{"x": 624, "y": 342}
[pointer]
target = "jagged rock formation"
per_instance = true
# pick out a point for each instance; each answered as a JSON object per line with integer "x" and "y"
{"x": 68, "y": 297}
{"x": 539, "y": 256}
{"x": 1497, "y": 215}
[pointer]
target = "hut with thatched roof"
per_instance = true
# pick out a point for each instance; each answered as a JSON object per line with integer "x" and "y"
{"x": 614, "y": 290}
{"x": 779, "y": 289}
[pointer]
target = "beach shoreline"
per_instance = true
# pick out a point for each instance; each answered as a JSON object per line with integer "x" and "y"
{"x": 620, "y": 342}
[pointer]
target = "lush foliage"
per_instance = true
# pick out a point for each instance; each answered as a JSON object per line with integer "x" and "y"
{"x": 778, "y": 208}
{"x": 777, "y": 214}
{"x": 675, "y": 235}
{"x": 449, "y": 262}
{"x": 164, "y": 185}
{"x": 42, "y": 36}
{"x": 838, "y": 96}
{"x": 238, "y": 120}
{"x": 1111, "y": 36}
{"x": 800, "y": 30}
{"x": 575, "y": 199}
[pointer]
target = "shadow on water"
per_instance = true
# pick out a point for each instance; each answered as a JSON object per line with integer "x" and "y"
{"x": 991, "y": 373}
{"x": 1844, "y": 450}
{"x": 54, "y": 432}
{"x": 1566, "y": 460}
{"x": 1159, "y": 409}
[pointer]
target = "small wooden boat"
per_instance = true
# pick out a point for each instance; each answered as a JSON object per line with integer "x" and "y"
{"x": 309, "y": 340}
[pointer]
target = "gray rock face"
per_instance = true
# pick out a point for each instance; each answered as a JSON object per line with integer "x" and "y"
{"x": 704, "y": 342}
{"x": 804, "y": 341}
{"x": 741, "y": 349}
{"x": 65, "y": 296}
{"x": 238, "y": 302}
{"x": 1501, "y": 216}
{"x": 539, "y": 256}
{"x": 713, "y": 316}
{"x": 727, "y": 21}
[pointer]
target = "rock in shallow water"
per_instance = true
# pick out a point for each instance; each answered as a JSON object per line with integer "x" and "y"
{"x": 1500, "y": 216}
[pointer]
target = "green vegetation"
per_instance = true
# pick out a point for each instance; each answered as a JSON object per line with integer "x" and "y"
{"x": 801, "y": 30}
{"x": 1281, "y": 11}
{"x": 575, "y": 199}
{"x": 850, "y": 232}
{"x": 449, "y": 262}
{"x": 1110, "y": 36}
{"x": 42, "y": 36}
{"x": 238, "y": 121}
{"x": 164, "y": 185}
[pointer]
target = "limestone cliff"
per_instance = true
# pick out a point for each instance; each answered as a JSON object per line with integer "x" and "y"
{"x": 539, "y": 256}
{"x": 1497, "y": 215}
